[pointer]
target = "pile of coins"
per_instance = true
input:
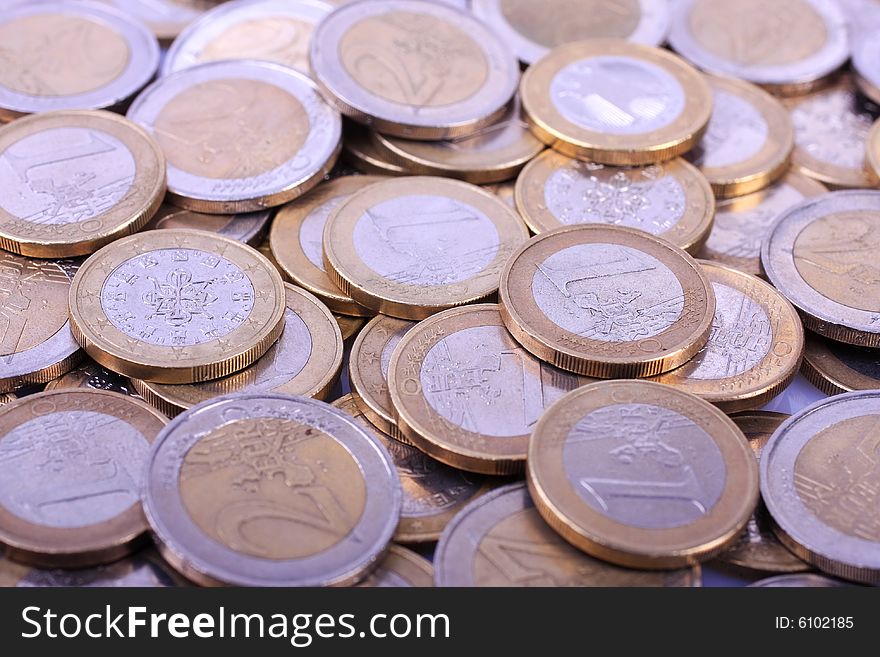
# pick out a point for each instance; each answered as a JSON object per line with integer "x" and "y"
{"x": 561, "y": 269}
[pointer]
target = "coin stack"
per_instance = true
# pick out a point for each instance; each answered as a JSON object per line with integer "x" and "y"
{"x": 408, "y": 293}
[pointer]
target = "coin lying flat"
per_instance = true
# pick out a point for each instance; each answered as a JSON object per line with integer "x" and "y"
{"x": 249, "y": 228}
{"x": 239, "y": 136}
{"x": 296, "y": 241}
{"x": 757, "y": 547}
{"x": 270, "y": 490}
{"x": 350, "y": 326}
{"x": 799, "y": 581}
{"x": 787, "y": 46}
{"x": 501, "y": 540}
{"x": 71, "y": 55}
{"x": 865, "y": 58}
{"x": 831, "y": 128}
{"x": 413, "y": 69}
{"x": 605, "y": 301}
{"x": 748, "y": 142}
{"x": 91, "y": 376}
{"x": 755, "y": 347}
{"x": 414, "y": 246}
{"x": 74, "y": 181}
{"x": 176, "y": 306}
{"x": 305, "y": 361}
{"x": 360, "y": 151}
{"x": 71, "y": 471}
{"x": 614, "y": 102}
{"x": 165, "y": 18}
{"x": 432, "y": 492}
{"x": 672, "y": 200}
{"x": 36, "y": 344}
{"x": 491, "y": 154}
{"x": 819, "y": 477}
{"x": 144, "y": 569}
{"x": 368, "y": 370}
{"x": 533, "y": 29}
{"x": 742, "y": 224}
{"x": 466, "y": 393}
{"x": 401, "y": 568}
{"x": 269, "y": 30}
{"x": 820, "y": 255}
{"x": 834, "y": 367}
{"x": 642, "y": 475}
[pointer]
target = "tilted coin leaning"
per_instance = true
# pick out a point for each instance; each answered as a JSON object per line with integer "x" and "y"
{"x": 176, "y": 306}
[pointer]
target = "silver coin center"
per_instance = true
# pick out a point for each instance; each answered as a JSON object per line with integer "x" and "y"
{"x": 388, "y": 349}
{"x": 65, "y": 175}
{"x": 617, "y": 95}
{"x": 482, "y": 381}
{"x": 645, "y": 198}
{"x": 736, "y": 133}
{"x": 177, "y": 297}
{"x": 644, "y": 465}
{"x": 422, "y": 239}
{"x": 741, "y": 337}
{"x": 286, "y": 358}
{"x": 311, "y": 232}
{"x": 71, "y": 469}
{"x": 608, "y": 292}
{"x": 829, "y": 129}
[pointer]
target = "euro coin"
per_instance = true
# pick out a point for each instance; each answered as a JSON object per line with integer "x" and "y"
{"x": 401, "y": 568}
{"x": 91, "y": 376}
{"x": 249, "y": 228}
{"x": 834, "y": 367}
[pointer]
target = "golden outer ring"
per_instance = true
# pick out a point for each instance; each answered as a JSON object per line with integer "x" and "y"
{"x": 828, "y": 373}
{"x": 284, "y": 242}
{"x": 665, "y": 143}
{"x": 389, "y": 297}
{"x": 360, "y": 151}
{"x": 689, "y": 233}
{"x": 833, "y": 176}
{"x": 350, "y": 326}
{"x": 771, "y": 161}
{"x": 365, "y": 373}
{"x": 44, "y": 374}
{"x": 125, "y": 355}
{"x": 128, "y": 216}
{"x": 773, "y": 373}
{"x": 99, "y": 543}
{"x": 320, "y": 373}
{"x": 568, "y": 351}
{"x": 602, "y": 537}
{"x": 872, "y": 154}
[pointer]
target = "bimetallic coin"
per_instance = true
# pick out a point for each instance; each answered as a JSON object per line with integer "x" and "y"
{"x": 831, "y": 128}
{"x": 866, "y": 64}
{"x": 71, "y": 55}
{"x": 296, "y": 241}
{"x": 432, "y": 492}
{"x": 74, "y": 181}
{"x": 821, "y": 255}
{"x": 748, "y": 143}
{"x": 413, "y": 69}
{"x": 754, "y": 349}
{"x": 91, "y": 376}
{"x": 368, "y": 370}
{"x": 606, "y": 301}
{"x": 165, "y": 18}
{"x": 239, "y": 136}
{"x": 276, "y": 31}
{"x": 401, "y": 568}
{"x": 36, "y": 344}
{"x": 71, "y": 473}
{"x": 819, "y": 480}
{"x": 360, "y": 151}
{"x": 532, "y": 29}
{"x": 464, "y": 392}
{"x": 786, "y": 46}
{"x": 249, "y": 228}
{"x": 350, "y": 326}
{"x": 305, "y": 361}
{"x": 176, "y": 306}
{"x": 270, "y": 490}
{"x": 500, "y": 539}
{"x": 807, "y": 580}
{"x": 642, "y": 475}
{"x": 742, "y": 224}
{"x": 834, "y": 367}
{"x": 614, "y": 102}
{"x": 144, "y": 569}
{"x": 411, "y": 247}
{"x": 491, "y": 154}
{"x": 757, "y": 547}
{"x": 671, "y": 200}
